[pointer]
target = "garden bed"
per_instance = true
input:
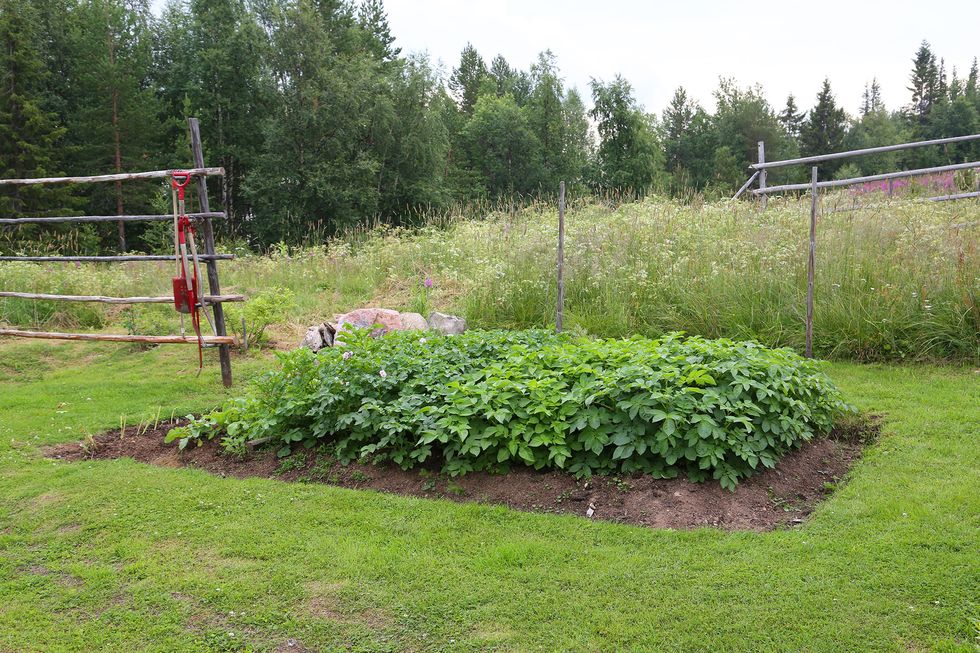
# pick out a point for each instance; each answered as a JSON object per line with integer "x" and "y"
{"x": 772, "y": 498}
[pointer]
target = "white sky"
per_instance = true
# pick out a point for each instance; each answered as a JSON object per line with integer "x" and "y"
{"x": 788, "y": 47}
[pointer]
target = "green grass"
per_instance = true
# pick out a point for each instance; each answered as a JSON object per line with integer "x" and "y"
{"x": 120, "y": 556}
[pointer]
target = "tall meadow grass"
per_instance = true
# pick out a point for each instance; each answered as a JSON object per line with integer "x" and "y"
{"x": 900, "y": 280}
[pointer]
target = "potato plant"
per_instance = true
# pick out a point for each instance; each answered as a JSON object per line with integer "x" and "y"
{"x": 487, "y": 400}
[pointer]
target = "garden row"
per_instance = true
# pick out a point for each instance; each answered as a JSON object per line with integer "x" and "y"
{"x": 487, "y": 400}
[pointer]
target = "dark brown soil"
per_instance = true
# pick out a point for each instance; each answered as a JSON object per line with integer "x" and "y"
{"x": 777, "y": 497}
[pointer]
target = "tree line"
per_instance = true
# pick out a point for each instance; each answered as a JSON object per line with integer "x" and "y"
{"x": 322, "y": 123}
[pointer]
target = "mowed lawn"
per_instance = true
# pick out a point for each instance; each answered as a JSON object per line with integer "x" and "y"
{"x": 121, "y": 556}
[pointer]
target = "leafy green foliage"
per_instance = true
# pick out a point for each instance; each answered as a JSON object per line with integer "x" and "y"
{"x": 262, "y": 310}
{"x": 488, "y": 400}
{"x": 628, "y": 158}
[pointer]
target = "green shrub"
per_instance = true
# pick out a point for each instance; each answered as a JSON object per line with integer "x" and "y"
{"x": 261, "y": 311}
{"x": 487, "y": 400}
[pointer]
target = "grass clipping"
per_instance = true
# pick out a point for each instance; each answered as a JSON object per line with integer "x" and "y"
{"x": 487, "y": 400}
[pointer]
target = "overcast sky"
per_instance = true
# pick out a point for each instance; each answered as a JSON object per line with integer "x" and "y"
{"x": 788, "y": 47}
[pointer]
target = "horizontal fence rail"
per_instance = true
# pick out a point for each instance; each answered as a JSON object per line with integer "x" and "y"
{"x": 850, "y": 208}
{"x": 157, "y": 217}
{"x": 958, "y": 196}
{"x": 112, "y": 337}
{"x": 122, "y": 176}
{"x": 870, "y": 150}
{"x": 835, "y": 183}
{"x": 111, "y": 259}
{"x": 168, "y": 299}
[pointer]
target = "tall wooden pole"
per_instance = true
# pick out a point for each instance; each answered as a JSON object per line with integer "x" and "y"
{"x": 763, "y": 198}
{"x": 224, "y": 351}
{"x": 559, "y": 316}
{"x": 811, "y": 261}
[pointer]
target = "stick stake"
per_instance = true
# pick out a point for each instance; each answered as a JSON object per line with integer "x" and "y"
{"x": 561, "y": 258}
{"x": 811, "y": 261}
{"x": 762, "y": 175}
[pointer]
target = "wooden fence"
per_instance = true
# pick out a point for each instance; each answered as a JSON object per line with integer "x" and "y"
{"x": 213, "y": 300}
{"x": 759, "y": 175}
{"x": 761, "y": 169}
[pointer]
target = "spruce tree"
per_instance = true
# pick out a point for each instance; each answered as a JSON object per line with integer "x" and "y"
{"x": 824, "y": 129}
{"x": 971, "y": 91}
{"x": 173, "y": 78}
{"x": 467, "y": 78}
{"x": 349, "y": 136}
{"x": 372, "y": 18}
{"x": 675, "y": 125}
{"x": 113, "y": 123}
{"x": 30, "y": 136}
{"x": 971, "y": 88}
{"x": 871, "y": 98}
{"x": 689, "y": 144}
{"x": 942, "y": 88}
{"x": 791, "y": 118}
{"x": 924, "y": 84}
{"x": 502, "y": 75}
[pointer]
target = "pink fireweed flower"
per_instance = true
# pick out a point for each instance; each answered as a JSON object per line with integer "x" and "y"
{"x": 427, "y": 283}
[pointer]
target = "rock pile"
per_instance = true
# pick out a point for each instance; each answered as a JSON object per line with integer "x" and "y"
{"x": 383, "y": 320}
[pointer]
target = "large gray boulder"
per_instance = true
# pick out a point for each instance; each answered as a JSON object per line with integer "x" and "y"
{"x": 450, "y": 325}
{"x": 412, "y": 322}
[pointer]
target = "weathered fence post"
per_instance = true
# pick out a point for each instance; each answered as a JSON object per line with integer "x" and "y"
{"x": 224, "y": 351}
{"x": 560, "y": 314}
{"x": 811, "y": 261}
{"x": 763, "y": 199}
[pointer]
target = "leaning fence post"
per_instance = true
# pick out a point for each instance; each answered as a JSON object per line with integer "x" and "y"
{"x": 811, "y": 262}
{"x": 763, "y": 199}
{"x": 560, "y": 313}
{"x": 224, "y": 351}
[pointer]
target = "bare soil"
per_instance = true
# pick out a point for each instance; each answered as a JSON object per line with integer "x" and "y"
{"x": 774, "y": 498}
